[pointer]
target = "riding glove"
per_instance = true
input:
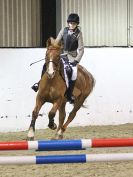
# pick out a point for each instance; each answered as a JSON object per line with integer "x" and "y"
{"x": 74, "y": 63}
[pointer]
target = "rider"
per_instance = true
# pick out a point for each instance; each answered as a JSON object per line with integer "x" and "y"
{"x": 73, "y": 49}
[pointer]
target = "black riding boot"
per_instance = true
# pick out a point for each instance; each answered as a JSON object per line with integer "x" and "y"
{"x": 70, "y": 96}
{"x": 36, "y": 85}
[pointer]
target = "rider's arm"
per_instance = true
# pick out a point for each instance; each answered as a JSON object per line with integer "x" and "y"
{"x": 60, "y": 35}
{"x": 80, "y": 47}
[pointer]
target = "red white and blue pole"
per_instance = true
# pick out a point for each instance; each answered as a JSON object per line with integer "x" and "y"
{"x": 57, "y": 145}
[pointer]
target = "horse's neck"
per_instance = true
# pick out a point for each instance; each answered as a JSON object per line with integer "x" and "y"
{"x": 58, "y": 76}
{"x": 61, "y": 70}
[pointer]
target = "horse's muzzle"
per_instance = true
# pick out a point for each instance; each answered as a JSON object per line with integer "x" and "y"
{"x": 50, "y": 74}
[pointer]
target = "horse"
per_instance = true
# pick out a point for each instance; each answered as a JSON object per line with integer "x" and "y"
{"x": 52, "y": 89}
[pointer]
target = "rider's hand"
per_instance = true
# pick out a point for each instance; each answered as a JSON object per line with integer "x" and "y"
{"x": 74, "y": 63}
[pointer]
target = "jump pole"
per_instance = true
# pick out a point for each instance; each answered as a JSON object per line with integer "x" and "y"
{"x": 58, "y": 145}
{"x": 57, "y": 159}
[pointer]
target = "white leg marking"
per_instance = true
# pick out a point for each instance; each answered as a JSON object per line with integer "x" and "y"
{"x": 60, "y": 132}
{"x": 30, "y": 133}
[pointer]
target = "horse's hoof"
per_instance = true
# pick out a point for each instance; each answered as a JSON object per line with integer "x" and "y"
{"x": 52, "y": 126}
{"x": 60, "y": 137}
{"x": 57, "y": 137}
{"x": 54, "y": 138}
{"x": 30, "y": 139}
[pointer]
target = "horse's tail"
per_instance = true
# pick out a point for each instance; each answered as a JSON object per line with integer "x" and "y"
{"x": 93, "y": 81}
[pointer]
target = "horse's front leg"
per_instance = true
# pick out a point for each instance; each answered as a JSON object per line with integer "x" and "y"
{"x": 31, "y": 131}
{"x": 52, "y": 113}
{"x": 62, "y": 115}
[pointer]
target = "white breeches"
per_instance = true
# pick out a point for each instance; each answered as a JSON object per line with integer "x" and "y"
{"x": 74, "y": 74}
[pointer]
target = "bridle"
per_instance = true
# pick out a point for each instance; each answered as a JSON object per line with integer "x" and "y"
{"x": 56, "y": 64}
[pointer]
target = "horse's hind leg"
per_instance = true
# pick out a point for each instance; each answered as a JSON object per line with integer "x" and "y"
{"x": 77, "y": 106}
{"x": 35, "y": 112}
{"x": 62, "y": 115}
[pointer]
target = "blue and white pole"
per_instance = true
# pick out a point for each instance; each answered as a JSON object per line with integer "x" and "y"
{"x": 57, "y": 159}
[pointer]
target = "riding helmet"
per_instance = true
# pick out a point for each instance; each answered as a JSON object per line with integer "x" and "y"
{"x": 73, "y": 18}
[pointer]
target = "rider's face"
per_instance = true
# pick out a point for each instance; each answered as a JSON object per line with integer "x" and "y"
{"x": 72, "y": 25}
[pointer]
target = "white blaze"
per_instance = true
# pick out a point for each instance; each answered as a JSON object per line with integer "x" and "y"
{"x": 50, "y": 68}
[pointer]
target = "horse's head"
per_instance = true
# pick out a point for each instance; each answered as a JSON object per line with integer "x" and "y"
{"x": 52, "y": 57}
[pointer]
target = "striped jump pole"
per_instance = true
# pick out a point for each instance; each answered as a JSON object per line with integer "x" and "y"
{"x": 57, "y": 159}
{"x": 58, "y": 145}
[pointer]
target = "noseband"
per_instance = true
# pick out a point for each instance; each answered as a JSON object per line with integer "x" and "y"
{"x": 56, "y": 64}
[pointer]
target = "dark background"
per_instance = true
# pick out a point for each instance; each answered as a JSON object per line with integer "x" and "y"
{"x": 48, "y": 20}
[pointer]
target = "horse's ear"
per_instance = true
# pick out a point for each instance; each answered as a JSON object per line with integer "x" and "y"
{"x": 48, "y": 43}
{"x": 59, "y": 42}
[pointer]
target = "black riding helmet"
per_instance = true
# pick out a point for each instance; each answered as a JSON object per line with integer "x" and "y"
{"x": 73, "y": 18}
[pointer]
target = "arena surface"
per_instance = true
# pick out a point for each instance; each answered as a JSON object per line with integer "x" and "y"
{"x": 97, "y": 169}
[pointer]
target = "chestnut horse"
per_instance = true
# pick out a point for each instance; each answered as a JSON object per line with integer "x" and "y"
{"x": 52, "y": 89}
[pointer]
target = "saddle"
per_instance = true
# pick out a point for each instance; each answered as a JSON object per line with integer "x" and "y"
{"x": 69, "y": 71}
{"x": 67, "y": 66}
